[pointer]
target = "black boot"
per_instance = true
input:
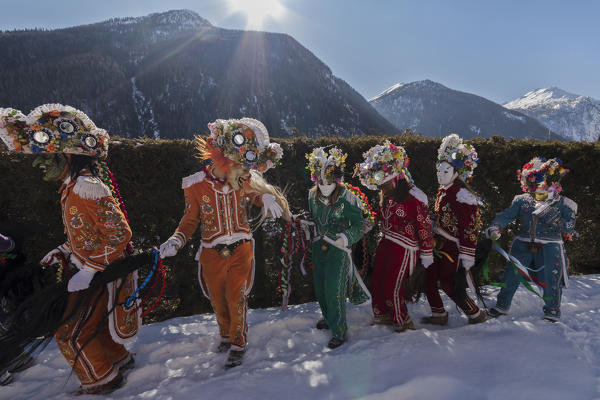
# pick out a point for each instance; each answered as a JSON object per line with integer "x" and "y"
{"x": 234, "y": 358}
{"x": 322, "y": 324}
{"x": 494, "y": 312}
{"x": 335, "y": 342}
{"x": 223, "y": 347}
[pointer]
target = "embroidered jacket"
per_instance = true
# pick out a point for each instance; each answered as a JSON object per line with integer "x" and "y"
{"x": 552, "y": 218}
{"x": 457, "y": 219}
{"x": 343, "y": 219}
{"x": 408, "y": 224}
{"x": 220, "y": 209}
{"x": 97, "y": 231}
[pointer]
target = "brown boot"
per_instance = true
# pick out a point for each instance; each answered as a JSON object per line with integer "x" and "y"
{"x": 482, "y": 317}
{"x": 106, "y": 388}
{"x": 407, "y": 325}
{"x": 385, "y": 320}
{"x": 435, "y": 320}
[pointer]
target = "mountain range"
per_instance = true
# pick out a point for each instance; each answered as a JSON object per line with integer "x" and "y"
{"x": 572, "y": 116}
{"x": 432, "y": 109}
{"x": 167, "y": 75}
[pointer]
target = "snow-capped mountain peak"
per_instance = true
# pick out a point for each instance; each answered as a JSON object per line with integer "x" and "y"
{"x": 573, "y": 116}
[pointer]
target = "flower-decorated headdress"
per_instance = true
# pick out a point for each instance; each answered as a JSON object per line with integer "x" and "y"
{"x": 461, "y": 156}
{"x": 52, "y": 128}
{"x": 244, "y": 141}
{"x": 543, "y": 174}
{"x": 329, "y": 166}
{"x": 382, "y": 164}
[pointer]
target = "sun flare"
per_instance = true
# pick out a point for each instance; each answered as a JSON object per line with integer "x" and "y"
{"x": 257, "y": 11}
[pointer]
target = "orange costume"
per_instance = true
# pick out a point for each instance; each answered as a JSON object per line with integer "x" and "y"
{"x": 226, "y": 260}
{"x": 226, "y": 255}
{"x": 97, "y": 235}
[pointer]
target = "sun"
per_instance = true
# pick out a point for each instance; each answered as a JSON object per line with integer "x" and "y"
{"x": 257, "y": 11}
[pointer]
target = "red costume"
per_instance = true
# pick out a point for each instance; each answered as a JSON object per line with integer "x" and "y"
{"x": 406, "y": 229}
{"x": 456, "y": 229}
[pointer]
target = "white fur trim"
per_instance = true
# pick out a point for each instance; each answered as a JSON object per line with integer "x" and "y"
{"x": 419, "y": 195}
{"x": 192, "y": 179}
{"x": 466, "y": 197}
{"x": 90, "y": 187}
{"x": 570, "y": 203}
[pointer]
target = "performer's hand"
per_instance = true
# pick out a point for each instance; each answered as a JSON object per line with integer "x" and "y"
{"x": 53, "y": 256}
{"x": 467, "y": 265}
{"x": 271, "y": 206}
{"x": 493, "y": 232}
{"x": 170, "y": 247}
{"x": 81, "y": 280}
{"x": 426, "y": 261}
{"x": 341, "y": 241}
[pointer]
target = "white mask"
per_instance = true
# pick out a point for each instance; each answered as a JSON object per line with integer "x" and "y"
{"x": 326, "y": 190}
{"x": 445, "y": 174}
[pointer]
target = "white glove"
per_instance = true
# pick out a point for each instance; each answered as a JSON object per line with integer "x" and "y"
{"x": 271, "y": 206}
{"x": 493, "y": 232}
{"x": 467, "y": 264}
{"x": 53, "y": 256}
{"x": 81, "y": 280}
{"x": 170, "y": 247}
{"x": 426, "y": 261}
{"x": 341, "y": 241}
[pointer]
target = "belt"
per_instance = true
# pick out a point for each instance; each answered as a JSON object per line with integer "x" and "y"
{"x": 226, "y": 250}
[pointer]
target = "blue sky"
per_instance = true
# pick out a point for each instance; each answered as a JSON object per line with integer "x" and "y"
{"x": 496, "y": 49}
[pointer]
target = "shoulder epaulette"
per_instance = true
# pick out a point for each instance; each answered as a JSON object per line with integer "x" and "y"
{"x": 523, "y": 196}
{"x": 419, "y": 195}
{"x": 352, "y": 198}
{"x": 90, "y": 187}
{"x": 570, "y": 203}
{"x": 192, "y": 179}
{"x": 466, "y": 197}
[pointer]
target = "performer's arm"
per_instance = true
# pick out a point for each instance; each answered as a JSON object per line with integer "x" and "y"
{"x": 354, "y": 213}
{"x": 103, "y": 235}
{"x": 425, "y": 234}
{"x": 191, "y": 217}
{"x": 509, "y": 215}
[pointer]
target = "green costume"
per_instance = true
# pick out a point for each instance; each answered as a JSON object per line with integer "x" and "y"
{"x": 335, "y": 276}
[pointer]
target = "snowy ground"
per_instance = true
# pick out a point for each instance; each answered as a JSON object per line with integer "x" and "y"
{"x": 516, "y": 357}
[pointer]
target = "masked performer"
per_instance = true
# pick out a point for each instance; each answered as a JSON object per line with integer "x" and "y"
{"x": 545, "y": 217}
{"x": 216, "y": 197}
{"x": 406, "y": 226}
{"x": 456, "y": 229}
{"x": 337, "y": 212}
{"x": 68, "y": 147}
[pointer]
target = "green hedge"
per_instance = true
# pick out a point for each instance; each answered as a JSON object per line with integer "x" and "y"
{"x": 149, "y": 174}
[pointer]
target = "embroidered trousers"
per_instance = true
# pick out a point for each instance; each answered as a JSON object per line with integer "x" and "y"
{"x": 227, "y": 282}
{"x": 442, "y": 270}
{"x": 392, "y": 266}
{"x": 549, "y": 259}
{"x": 330, "y": 277}
{"x": 99, "y": 355}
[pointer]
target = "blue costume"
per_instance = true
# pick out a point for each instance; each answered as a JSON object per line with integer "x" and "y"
{"x": 538, "y": 246}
